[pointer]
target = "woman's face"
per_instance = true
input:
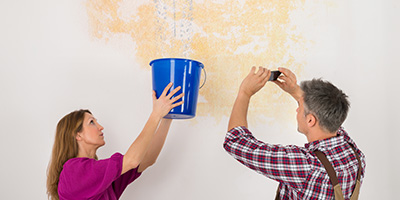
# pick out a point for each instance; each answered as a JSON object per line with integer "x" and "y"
{"x": 91, "y": 133}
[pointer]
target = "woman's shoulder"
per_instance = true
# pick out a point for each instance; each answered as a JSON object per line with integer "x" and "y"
{"x": 78, "y": 161}
{"x": 87, "y": 177}
{"x": 83, "y": 162}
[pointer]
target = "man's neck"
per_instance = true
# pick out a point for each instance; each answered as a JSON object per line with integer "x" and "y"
{"x": 319, "y": 135}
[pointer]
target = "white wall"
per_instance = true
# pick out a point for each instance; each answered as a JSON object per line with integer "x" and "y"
{"x": 49, "y": 66}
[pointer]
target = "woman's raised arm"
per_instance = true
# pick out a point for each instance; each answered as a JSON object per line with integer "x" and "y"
{"x": 139, "y": 148}
{"x": 156, "y": 145}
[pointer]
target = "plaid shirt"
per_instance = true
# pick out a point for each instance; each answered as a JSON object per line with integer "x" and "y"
{"x": 300, "y": 174}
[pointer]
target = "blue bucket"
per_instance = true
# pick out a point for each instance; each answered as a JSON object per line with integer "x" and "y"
{"x": 181, "y": 72}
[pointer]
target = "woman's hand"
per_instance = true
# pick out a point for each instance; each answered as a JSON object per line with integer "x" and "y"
{"x": 136, "y": 154}
{"x": 164, "y": 103}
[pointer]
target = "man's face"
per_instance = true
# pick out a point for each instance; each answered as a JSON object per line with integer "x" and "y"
{"x": 301, "y": 118}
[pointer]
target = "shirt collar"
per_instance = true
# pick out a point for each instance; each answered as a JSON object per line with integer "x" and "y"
{"x": 328, "y": 143}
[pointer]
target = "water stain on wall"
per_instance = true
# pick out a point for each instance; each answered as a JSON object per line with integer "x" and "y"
{"x": 228, "y": 37}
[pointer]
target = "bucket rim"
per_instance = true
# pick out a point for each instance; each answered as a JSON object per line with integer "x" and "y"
{"x": 187, "y": 59}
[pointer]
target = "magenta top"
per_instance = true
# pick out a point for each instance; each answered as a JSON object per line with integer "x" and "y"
{"x": 86, "y": 178}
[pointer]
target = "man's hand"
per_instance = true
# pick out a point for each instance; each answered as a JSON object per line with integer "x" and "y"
{"x": 288, "y": 83}
{"x": 250, "y": 85}
{"x": 254, "y": 81}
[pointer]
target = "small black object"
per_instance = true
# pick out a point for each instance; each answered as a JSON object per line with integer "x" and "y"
{"x": 274, "y": 75}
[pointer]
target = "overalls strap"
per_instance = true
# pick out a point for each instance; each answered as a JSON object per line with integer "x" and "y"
{"x": 333, "y": 178}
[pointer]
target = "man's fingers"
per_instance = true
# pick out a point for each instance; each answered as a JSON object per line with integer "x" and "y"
{"x": 280, "y": 84}
{"x": 260, "y": 71}
{"x": 252, "y": 70}
{"x": 284, "y": 70}
{"x": 287, "y": 72}
{"x": 284, "y": 79}
{"x": 266, "y": 75}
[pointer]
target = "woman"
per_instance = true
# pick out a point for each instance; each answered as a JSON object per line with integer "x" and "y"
{"x": 74, "y": 171}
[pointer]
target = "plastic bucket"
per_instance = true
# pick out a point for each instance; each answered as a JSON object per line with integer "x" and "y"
{"x": 181, "y": 72}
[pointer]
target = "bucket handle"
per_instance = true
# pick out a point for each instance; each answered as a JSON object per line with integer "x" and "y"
{"x": 205, "y": 78}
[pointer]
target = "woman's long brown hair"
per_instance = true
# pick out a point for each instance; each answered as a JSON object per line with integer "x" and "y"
{"x": 65, "y": 147}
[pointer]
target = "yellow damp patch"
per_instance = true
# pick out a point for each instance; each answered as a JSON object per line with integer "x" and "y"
{"x": 228, "y": 37}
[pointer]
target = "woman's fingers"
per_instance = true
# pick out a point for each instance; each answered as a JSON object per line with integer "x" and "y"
{"x": 164, "y": 93}
{"x": 165, "y": 102}
{"x": 176, "y": 104}
{"x": 173, "y": 92}
{"x": 177, "y": 98}
{"x": 154, "y": 95}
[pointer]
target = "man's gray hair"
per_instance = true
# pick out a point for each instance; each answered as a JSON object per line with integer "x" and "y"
{"x": 328, "y": 103}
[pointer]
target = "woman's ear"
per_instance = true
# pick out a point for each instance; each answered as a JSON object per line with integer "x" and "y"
{"x": 78, "y": 137}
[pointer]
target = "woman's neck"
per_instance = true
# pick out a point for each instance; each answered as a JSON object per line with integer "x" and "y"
{"x": 86, "y": 153}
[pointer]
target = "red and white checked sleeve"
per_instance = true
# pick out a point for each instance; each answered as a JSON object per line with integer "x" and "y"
{"x": 286, "y": 164}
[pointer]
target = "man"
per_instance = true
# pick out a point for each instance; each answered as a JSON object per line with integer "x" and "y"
{"x": 321, "y": 112}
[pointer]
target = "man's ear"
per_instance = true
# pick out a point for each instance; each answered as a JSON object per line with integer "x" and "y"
{"x": 311, "y": 120}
